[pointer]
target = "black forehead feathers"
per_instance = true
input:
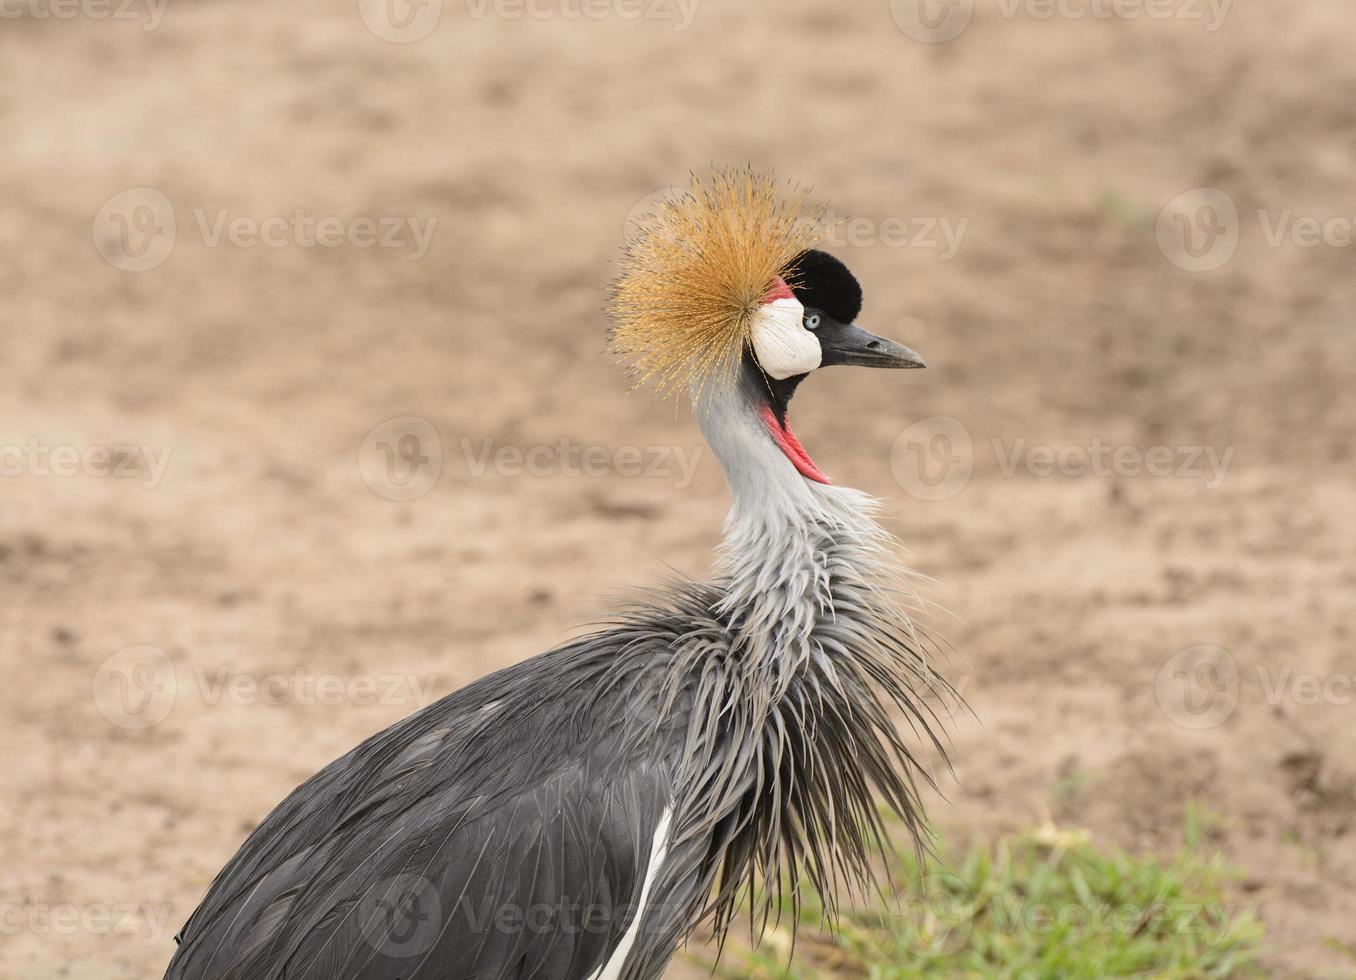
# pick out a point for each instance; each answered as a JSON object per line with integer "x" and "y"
{"x": 821, "y": 282}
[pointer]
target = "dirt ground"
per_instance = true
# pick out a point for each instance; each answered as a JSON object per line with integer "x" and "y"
{"x": 1129, "y": 465}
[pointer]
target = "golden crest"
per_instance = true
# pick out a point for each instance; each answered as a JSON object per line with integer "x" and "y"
{"x": 697, "y": 270}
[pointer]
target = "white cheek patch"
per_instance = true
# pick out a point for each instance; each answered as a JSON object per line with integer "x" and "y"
{"x": 783, "y": 346}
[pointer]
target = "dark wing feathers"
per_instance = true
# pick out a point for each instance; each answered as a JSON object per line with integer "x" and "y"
{"x": 503, "y": 832}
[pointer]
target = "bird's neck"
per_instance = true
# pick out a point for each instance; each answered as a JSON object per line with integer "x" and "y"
{"x": 799, "y": 557}
{"x": 795, "y": 681}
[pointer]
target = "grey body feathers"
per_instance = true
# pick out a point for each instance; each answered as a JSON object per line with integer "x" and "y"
{"x": 508, "y": 828}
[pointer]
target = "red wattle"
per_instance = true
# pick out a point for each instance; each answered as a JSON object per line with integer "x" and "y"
{"x": 779, "y": 290}
{"x": 791, "y": 447}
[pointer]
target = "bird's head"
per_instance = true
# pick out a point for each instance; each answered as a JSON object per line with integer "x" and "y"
{"x": 807, "y": 322}
{"x": 721, "y": 289}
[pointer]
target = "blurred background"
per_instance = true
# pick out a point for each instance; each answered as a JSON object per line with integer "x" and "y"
{"x": 305, "y": 418}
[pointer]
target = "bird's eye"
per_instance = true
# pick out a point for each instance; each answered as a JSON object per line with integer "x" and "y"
{"x": 812, "y": 321}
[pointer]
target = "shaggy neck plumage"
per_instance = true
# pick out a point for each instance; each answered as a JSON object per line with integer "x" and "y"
{"x": 793, "y": 549}
{"x": 810, "y": 656}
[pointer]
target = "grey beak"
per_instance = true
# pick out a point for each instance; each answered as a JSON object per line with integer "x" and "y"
{"x": 847, "y": 343}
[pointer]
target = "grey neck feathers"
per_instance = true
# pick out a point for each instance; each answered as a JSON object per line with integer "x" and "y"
{"x": 811, "y": 661}
{"x": 799, "y": 558}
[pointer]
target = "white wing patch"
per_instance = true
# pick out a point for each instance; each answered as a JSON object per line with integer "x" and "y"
{"x": 611, "y": 970}
{"x": 782, "y": 344}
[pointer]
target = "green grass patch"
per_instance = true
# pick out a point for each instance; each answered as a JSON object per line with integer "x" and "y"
{"x": 1044, "y": 904}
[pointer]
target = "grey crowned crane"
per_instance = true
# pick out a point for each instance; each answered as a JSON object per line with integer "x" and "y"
{"x": 577, "y": 815}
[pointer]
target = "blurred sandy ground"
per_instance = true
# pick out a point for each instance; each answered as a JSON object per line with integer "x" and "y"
{"x": 264, "y": 549}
